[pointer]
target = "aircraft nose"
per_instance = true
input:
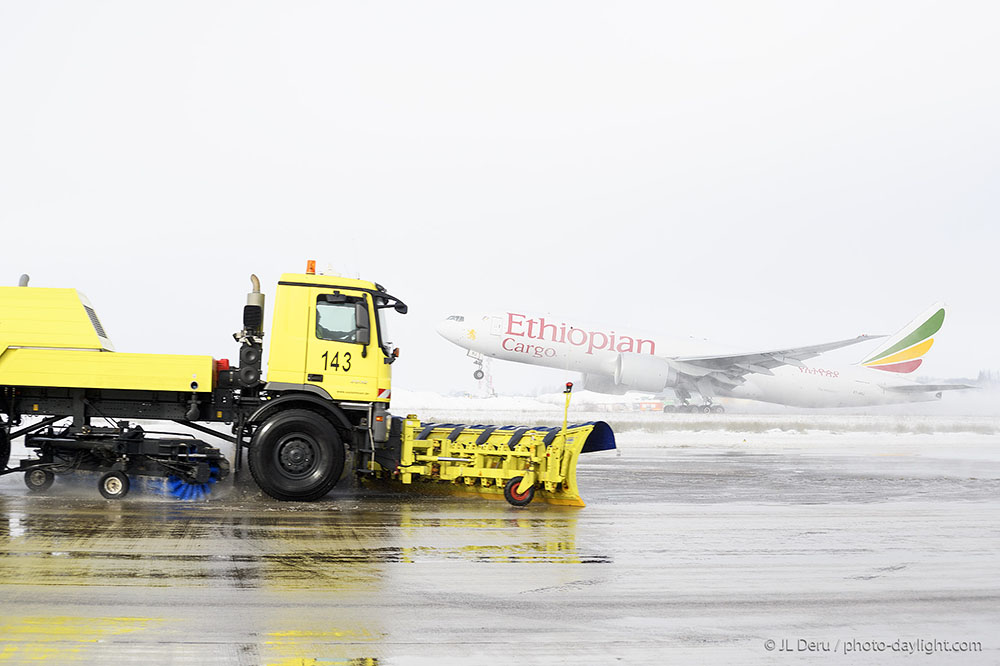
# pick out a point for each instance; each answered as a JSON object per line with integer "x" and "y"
{"x": 451, "y": 328}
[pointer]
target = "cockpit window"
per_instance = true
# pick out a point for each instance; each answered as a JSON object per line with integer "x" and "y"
{"x": 456, "y": 318}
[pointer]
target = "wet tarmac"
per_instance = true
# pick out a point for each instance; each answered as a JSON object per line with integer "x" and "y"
{"x": 683, "y": 554}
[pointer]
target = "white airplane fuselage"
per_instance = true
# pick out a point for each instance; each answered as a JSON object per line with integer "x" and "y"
{"x": 594, "y": 351}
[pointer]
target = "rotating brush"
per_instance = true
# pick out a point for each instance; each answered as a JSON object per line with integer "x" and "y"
{"x": 184, "y": 490}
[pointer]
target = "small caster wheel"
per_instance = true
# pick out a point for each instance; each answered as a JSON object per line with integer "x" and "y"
{"x": 38, "y": 480}
{"x": 478, "y": 374}
{"x": 518, "y": 499}
{"x": 114, "y": 485}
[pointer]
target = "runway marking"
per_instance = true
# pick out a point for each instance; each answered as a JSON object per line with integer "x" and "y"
{"x": 297, "y": 647}
{"x": 60, "y": 638}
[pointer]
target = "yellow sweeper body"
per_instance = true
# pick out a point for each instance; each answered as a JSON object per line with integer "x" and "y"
{"x": 53, "y": 338}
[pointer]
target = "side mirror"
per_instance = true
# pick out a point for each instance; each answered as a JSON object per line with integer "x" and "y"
{"x": 363, "y": 333}
{"x": 400, "y": 307}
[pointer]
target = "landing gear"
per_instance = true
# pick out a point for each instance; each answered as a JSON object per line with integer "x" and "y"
{"x": 38, "y": 480}
{"x": 685, "y": 408}
{"x": 518, "y": 499}
{"x": 477, "y": 360}
{"x": 113, "y": 485}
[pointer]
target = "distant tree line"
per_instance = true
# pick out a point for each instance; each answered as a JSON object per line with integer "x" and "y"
{"x": 988, "y": 378}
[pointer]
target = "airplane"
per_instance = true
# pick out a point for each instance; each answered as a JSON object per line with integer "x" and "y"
{"x": 619, "y": 360}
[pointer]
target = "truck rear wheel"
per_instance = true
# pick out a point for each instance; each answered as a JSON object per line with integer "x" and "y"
{"x": 4, "y": 447}
{"x": 296, "y": 455}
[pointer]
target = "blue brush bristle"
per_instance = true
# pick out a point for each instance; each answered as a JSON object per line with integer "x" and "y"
{"x": 183, "y": 490}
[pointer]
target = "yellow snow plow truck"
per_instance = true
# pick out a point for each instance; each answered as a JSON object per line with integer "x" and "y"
{"x": 320, "y": 413}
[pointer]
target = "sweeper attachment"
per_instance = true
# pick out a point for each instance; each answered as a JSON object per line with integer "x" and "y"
{"x": 188, "y": 466}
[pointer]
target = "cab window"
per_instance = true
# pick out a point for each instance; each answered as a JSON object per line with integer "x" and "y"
{"x": 336, "y": 322}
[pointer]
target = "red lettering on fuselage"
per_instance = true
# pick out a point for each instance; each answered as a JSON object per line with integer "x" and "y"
{"x": 539, "y": 329}
{"x": 823, "y": 372}
{"x": 537, "y": 351}
{"x": 511, "y": 322}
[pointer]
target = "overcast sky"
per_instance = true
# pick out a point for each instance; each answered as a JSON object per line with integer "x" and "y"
{"x": 757, "y": 173}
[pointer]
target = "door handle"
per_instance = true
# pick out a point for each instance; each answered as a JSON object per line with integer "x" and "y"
{"x": 314, "y": 378}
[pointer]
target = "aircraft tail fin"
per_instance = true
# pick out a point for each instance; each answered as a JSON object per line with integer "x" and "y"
{"x": 904, "y": 351}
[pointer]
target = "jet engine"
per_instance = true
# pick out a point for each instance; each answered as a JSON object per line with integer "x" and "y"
{"x": 598, "y": 384}
{"x": 641, "y": 372}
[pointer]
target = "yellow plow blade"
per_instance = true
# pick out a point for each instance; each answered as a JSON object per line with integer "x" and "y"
{"x": 516, "y": 463}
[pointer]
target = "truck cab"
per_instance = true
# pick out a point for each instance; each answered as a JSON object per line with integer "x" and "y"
{"x": 328, "y": 337}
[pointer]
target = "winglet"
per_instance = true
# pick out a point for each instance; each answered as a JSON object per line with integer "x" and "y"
{"x": 904, "y": 351}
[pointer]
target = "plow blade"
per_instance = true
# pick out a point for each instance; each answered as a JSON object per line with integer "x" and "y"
{"x": 517, "y": 463}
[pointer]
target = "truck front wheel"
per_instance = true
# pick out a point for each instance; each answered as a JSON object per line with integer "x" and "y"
{"x": 296, "y": 455}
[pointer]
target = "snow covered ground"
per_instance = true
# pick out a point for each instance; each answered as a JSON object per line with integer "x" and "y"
{"x": 931, "y": 435}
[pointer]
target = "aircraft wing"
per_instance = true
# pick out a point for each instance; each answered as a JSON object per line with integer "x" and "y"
{"x": 738, "y": 365}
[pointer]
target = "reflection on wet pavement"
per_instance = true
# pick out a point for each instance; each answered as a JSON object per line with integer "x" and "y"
{"x": 697, "y": 557}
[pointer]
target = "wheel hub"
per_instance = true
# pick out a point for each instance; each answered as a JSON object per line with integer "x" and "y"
{"x": 297, "y": 455}
{"x": 113, "y": 485}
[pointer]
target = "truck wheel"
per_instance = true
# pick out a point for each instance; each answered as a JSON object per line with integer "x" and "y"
{"x": 296, "y": 455}
{"x": 4, "y": 448}
{"x": 478, "y": 374}
{"x": 511, "y": 495}
{"x": 113, "y": 485}
{"x": 38, "y": 480}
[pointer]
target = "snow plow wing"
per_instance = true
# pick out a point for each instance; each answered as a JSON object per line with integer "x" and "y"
{"x": 516, "y": 463}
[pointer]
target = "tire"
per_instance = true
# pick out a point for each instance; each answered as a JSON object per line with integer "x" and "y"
{"x": 718, "y": 409}
{"x": 4, "y": 448}
{"x": 114, "y": 485}
{"x": 705, "y": 409}
{"x": 296, "y": 455}
{"x": 478, "y": 374}
{"x": 510, "y": 493}
{"x": 669, "y": 409}
{"x": 38, "y": 480}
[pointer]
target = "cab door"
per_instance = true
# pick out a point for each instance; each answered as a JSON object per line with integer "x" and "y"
{"x": 342, "y": 353}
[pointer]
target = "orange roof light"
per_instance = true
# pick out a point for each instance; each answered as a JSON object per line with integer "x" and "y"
{"x": 311, "y": 267}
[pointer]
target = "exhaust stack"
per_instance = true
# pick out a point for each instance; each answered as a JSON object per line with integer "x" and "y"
{"x": 251, "y": 337}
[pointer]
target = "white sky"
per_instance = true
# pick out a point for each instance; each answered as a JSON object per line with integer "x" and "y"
{"x": 760, "y": 173}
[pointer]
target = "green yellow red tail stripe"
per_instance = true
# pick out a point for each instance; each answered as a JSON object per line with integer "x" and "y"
{"x": 906, "y": 354}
